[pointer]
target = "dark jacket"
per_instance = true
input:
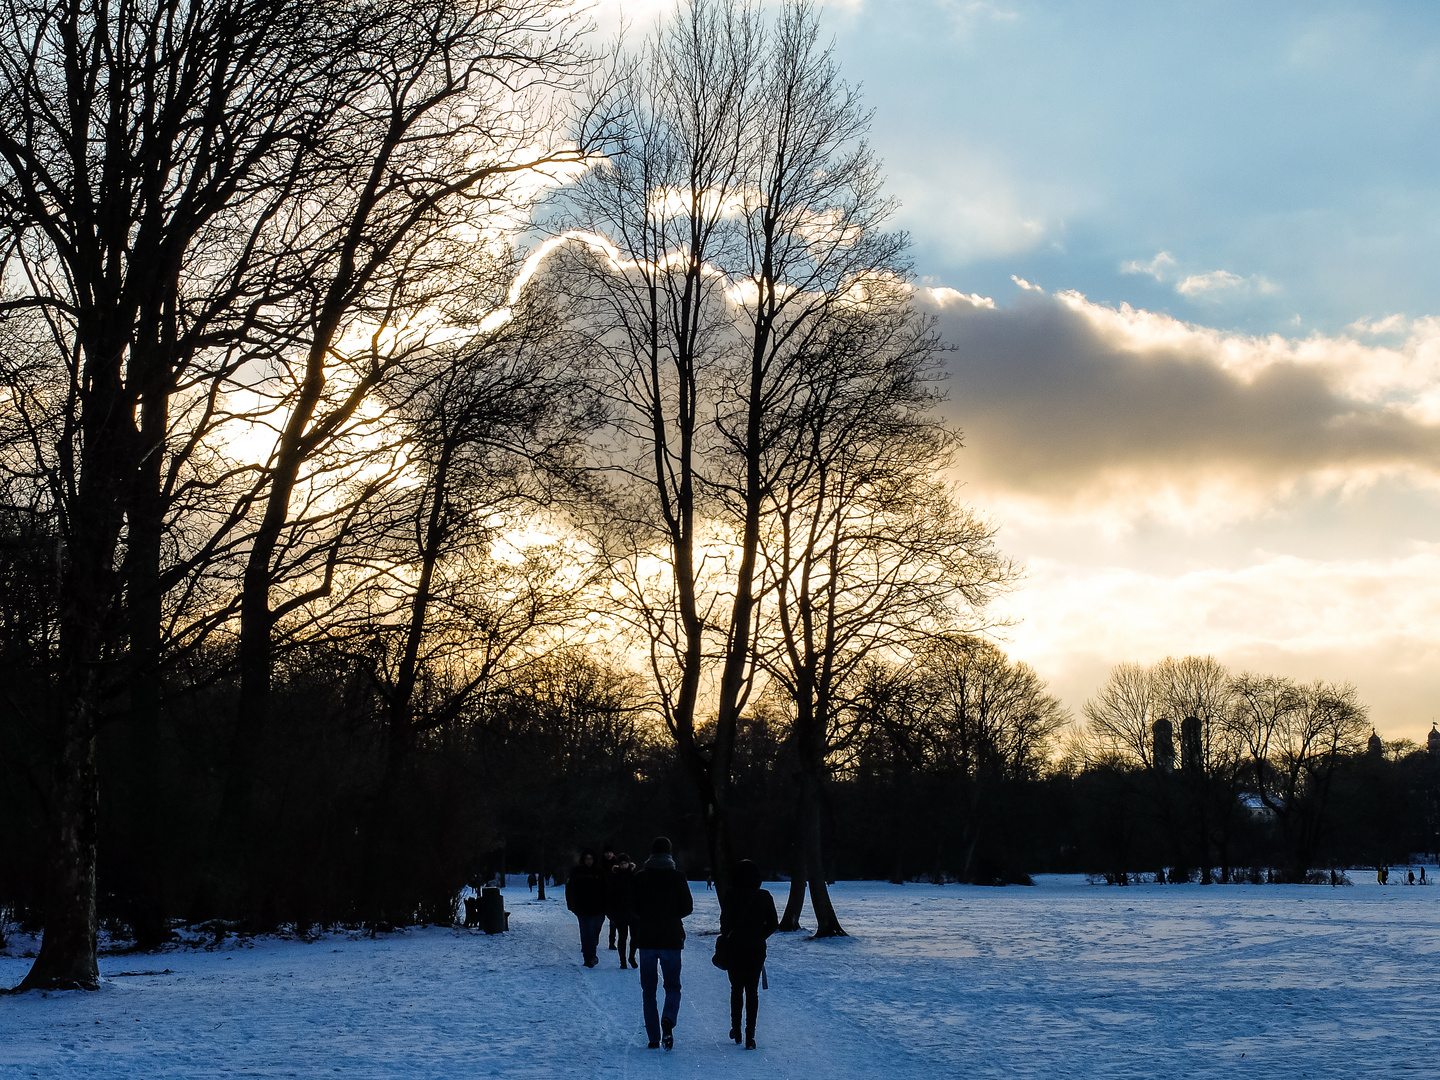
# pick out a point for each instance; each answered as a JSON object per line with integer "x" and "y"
{"x": 619, "y": 894}
{"x": 585, "y": 891}
{"x": 662, "y": 898}
{"x": 747, "y": 918}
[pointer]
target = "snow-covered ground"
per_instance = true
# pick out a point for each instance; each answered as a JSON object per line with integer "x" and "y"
{"x": 1065, "y": 979}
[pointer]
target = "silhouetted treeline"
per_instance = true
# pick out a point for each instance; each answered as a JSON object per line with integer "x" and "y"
{"x": 563, "y": 755}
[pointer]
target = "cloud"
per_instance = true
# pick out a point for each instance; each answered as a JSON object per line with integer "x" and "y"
{"x": 1066, "y": 400}
{"x": 1213, "y": 282}
{"x": 1210, "y": 285}
{"x": 1159, "y": 267}
{"x": 1221, "y": 283}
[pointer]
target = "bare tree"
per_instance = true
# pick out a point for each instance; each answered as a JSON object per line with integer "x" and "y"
{"x": 738, "y": 222}
{"x": 866, "y": 552}
{"x": 1122, "y": 715}
{"x": 1295, "y": 738}
{"x": 659, "y": 222}
{"x": 493, "y": 428}
{"x": 1193, "y": 695}
{"x": 990, "y": 722}
{"x": 1172, "y": 720}
{"x": 437, "y": 159}
{"x": 145, "y": 146}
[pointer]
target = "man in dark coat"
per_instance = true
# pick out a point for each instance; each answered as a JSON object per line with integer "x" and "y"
{"x": 585, "y": 896}
{"x": 619, "y": 895}
{"x": 747, "y": 918}
{"x": 661, "y": 900}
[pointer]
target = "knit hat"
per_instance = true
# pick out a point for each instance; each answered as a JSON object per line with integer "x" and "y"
{"x": 661, "y": 846}
{"x": 747, "y": 875}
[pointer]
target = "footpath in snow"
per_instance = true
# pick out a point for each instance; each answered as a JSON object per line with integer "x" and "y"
{"x": 1065, "y": 979}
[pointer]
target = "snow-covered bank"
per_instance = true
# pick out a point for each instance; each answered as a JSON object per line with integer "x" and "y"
{"x": 1061, "y": 980}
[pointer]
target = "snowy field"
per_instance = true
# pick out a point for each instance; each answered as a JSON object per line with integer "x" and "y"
{"x": 1065, "y": 979}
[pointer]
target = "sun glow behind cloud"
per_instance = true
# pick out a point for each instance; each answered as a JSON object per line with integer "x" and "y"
{"x": 1178, "y": 488}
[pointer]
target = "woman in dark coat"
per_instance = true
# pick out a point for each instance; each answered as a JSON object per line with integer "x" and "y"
{"x": 619, "y": 896}
{"x": 747, "y": 918}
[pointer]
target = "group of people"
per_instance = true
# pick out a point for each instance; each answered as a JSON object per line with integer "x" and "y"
{"x": 647, "y": 906}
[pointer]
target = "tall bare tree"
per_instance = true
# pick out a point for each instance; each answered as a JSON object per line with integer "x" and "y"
{"x": 146, "y": 146}
{"x": 660, "y": 220}
{"x": 740, "y": 218}
{"x": 435, "y": 162}
{"x": 493, "y": 427}
{"x": 866, "y": 552}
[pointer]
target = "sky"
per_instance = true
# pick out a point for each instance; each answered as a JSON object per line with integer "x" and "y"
{"x": 1185, "y": 255}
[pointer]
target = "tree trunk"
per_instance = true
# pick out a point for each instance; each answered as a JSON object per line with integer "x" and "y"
{"x": 67, "y": 959}
{"x": 795, "y": 905}
{"x": 812, "y": 842}
{"x": 144, "y": 885}
{"x": 88, "y": 593}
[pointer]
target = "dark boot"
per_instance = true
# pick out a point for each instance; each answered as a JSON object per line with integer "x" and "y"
{"x": 667, "y": 1034}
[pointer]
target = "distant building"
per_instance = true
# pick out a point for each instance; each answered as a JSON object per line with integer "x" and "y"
{"x": 1192, "y": 752}
{"x": 1375, "y": 748}
{"x": 1255, "y": 807}
{"x": 1163, "y": 739}
{"x": 1432, "y": 741}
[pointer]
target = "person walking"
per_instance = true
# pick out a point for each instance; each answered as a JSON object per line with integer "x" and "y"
{"x": 747, "y": 918}
{"x": 585, "y": 896}
{"x": 660, "y": 902}
{"x": 607, "y": 863}
{"x": 619, "y": 895}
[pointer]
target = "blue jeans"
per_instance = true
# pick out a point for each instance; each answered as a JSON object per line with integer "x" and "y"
{"x": 669, "y": 960}
{"x": 590, "y": 934}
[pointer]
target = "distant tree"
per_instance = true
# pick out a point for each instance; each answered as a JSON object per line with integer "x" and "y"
{"x": 1194, "y": 695}
{"x": 991, "y": 726}
{"x": 1295, "y": 739}
{"x": 1169, "y": 722}
{"x": 563, "y": 738}
{"x": 1121, "y": 717}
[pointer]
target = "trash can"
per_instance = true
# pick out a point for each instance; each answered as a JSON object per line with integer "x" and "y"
{"x": 494, "y": 919}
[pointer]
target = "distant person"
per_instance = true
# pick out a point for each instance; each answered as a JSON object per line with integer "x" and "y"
{"x": 585, "y": 896}
{"x": 1334, "y": 879}
{"x": 662, "y": 900}
{"x": 531, "y": 881}
{"x": 1422, "y": 875}
{"x": 619, "y": 896}
{"x": 1412, "y": 878}
{"x": 607, "y": 863}
{"x": 747, "y": 918}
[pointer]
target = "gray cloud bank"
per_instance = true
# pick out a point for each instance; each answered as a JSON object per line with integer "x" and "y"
{"x": 1057, "y": 394}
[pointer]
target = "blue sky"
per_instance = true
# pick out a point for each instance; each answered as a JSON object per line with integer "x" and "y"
{"x": 1294, "y": 146}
